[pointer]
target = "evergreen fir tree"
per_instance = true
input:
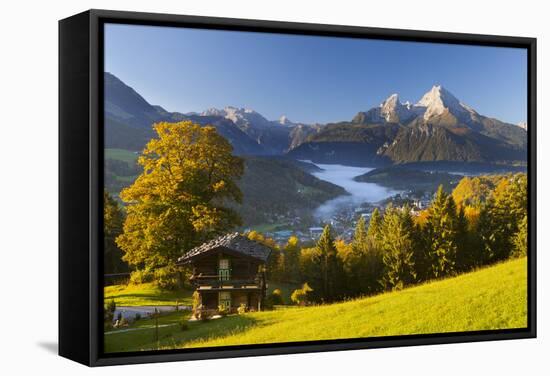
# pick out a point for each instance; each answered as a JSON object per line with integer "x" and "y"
{"x": 292, "y": 260}
{"x": 442, "y": 235}
{"x": 361, "y": 262}
{"x": 360, "y": 237}
{"x": 509, "y": 209}
{"x": 397, "y": 243}
{"x": 276, "y": 265}
{"x": 487, "y": 233}
{"x": 520, "y": 239}
{"x": 375, "y": 225}
{"x": 328, "y": 263}
{"x": 465, "y": 258}
{"x": 501, "y": 216}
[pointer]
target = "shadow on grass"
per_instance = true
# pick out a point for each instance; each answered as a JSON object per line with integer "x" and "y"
{"x": 173, "y": 336}
{"x": 203, "y": 331}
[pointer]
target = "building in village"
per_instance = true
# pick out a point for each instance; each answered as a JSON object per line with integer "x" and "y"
{"x": 228, "y": 271}
{"x": 315, "y": 232}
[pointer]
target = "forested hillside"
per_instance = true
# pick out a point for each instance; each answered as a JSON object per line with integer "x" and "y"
{"x": 273, "y": 186}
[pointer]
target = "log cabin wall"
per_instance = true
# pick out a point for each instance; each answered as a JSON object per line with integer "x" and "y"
{"x": 206, "y": 265}
{"x": 241, "y": 267}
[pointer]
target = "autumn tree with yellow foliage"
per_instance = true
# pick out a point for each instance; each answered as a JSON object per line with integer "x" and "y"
{"x": 181, "y": 198}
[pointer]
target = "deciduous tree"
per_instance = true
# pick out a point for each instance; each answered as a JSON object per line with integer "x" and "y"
{"x": 182, "y": 197}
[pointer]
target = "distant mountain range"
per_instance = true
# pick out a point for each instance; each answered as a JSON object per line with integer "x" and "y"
{"x": 129, "y": 117}
{"x": 437, "y": 128}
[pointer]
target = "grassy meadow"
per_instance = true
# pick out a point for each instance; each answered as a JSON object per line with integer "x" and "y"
{"x": 146, "y": 294}
{"x": 450, "y": 305}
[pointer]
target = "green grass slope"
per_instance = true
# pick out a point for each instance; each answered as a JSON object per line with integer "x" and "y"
{"x": 491, "y": 298}
{"x": 146, "y": 294}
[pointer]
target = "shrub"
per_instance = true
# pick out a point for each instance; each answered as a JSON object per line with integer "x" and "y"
{"x": 273, "y": 299}
{"x": 300, "y": 296}
{"x": 137, "y": 317}
{"x": 277, "y": 297}
{"x": 241, "y": 309}
{"x": 223, "y": 310}
{"x": 204, "y": 315}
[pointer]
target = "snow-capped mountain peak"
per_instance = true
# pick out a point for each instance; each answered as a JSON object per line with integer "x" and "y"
{"x": 238, "y": 115}
{"x": 392, "y": 110}
{"x": 438, "y": 100}
{"x": 213, "y": 112}
{"x": 391, "y": 102}
{"x": 283, "y": 120}
{"x": 392, "y": 99}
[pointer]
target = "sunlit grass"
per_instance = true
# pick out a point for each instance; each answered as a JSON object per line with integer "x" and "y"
{"x": 494, "y": 298}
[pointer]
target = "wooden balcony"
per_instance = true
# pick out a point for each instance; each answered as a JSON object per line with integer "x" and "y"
{"x": 213, "y": 282}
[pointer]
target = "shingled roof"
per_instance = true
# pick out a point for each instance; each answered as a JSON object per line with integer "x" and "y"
{"x": 234, "y": 242}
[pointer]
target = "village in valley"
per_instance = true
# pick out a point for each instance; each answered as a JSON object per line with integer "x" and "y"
{"x": 343, "y": 220}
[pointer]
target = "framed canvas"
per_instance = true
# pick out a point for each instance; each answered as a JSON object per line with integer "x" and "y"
{"x": 236, "y": 187}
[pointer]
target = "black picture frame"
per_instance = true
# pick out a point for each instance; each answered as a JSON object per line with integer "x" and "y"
{"x": 81, "y": 184}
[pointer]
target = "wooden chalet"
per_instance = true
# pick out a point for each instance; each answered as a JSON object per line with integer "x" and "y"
{"x": 228, "y": 271}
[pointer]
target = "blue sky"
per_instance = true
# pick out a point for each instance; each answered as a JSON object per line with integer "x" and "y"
{"x": 307, "y": 78}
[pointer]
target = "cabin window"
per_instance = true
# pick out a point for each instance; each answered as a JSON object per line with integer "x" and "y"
{"x": 224, "y": 271}
{"x": 225, "y": 299}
